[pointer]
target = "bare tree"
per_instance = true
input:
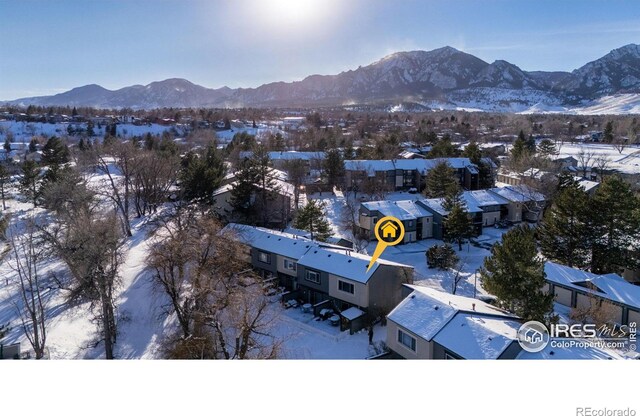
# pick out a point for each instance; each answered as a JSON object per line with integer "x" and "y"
{"x": 90, "y": 244}
{"x": 152, "y": 176}
{"x": 26, "y": 260}
{"x": 585, "y": 161}
{"x": 117, "y": 187}
{"x": 602, "y": 165}
{"x": 219, "y": 301}
{"x": 350, "y": 222}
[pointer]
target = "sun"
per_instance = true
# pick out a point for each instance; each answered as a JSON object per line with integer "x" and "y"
{"x": 293, "y": 10}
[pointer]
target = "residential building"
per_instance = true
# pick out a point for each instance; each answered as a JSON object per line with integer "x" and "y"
{"x": 440, "y": 213}
{"x": 525, "y": 204}
{"x": 417, "y": 221}
{"x": 430, "y": 324}
{"x": 323, "y": 274}
{"x": 580, "y": 289}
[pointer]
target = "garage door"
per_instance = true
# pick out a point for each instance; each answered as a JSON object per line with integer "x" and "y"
{"x": 563, "y": 296}
{"x": 634, "y": 316}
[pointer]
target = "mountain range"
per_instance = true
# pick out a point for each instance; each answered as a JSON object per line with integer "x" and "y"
{"x": 441, "y": 78}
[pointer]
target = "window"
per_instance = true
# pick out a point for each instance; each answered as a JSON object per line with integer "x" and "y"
{"x": 289, "y": 265}
{"x": 345, "y": 287}
{"x": 406, "y": 340}
{"x": 264, "y": 257}
{"x": 312, "y": 276}
{"x": 410, "y": 223}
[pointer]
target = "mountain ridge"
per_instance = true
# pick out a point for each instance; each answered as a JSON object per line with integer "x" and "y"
{"x": 443, "y": 75}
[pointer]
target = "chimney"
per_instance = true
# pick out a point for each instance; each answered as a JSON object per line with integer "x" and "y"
{"x": 473, "y": 306}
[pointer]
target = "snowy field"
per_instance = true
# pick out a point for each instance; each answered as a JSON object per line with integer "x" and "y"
{"x": 626, "y": 160}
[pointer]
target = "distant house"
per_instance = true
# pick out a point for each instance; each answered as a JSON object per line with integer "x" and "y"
{"x": 440, "y": 214}
{"x": 321, "y": 273}
{"x": 409, "y": 173}
{"x": 311, "y": 161}
{"x": 525, "y": 204}
{"x": 578, "y": 289}
{"x": 430, "y": 324}
{"x": 281, "y": 198}
{"x": 417, "y": 221}
{"x": 494, "y": 207}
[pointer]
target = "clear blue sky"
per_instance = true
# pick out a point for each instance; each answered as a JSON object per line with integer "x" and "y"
{"x": 51, "y": 46}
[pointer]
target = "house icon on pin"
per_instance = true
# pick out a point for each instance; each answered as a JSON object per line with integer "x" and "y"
{"x": 389, "y": 230}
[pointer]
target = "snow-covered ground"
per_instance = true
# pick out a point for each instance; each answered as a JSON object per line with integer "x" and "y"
{"x": 23, "y": 131}
{"x": 626, "y": 160}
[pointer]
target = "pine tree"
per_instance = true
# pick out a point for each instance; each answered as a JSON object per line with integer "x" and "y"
{"x": 312, "y": 218}
{"x": 265, "y": 182}
{"x": 515, "y": 275}
{"x": 30, "y": 181}
{"x": 55, "y": 152}
{"x": 473, "y": 152}
{"x": 7, "y": 148}
{"x": 201, "y": 174}
{"x": 243, "y": 191}
{"x": 334, "y": 167}
{"x": 457, "y": 225}
{"x": 615, "y": 223}
{"x": 33, "y": 145}
{"x": 90, "y": 131}
{"x": 546, "y": 149}
{"x": 442, "y": 257}
{"x": 608, "y": 132}
{"x": 564, "y": 232}
{"x": 4, "y": 177}
{"x": 442, "y": 148}
{"x": 440, "y": 181}
{"x": 520, "y": 148}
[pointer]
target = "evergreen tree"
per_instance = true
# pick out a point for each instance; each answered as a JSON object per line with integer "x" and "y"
{"x": 531, "y": 145}
{"x": 334, "y": 167}
{"x": 515, "y": 275}
{"x": 312, "y": 218}
{"x": 564, "y": 232}
{"x": 30, "y": 181}
{"x": 443, "y": 148}
{"x": 440, "y": 181}
{"x": 442, "y": 257}
{"x": 608, "y": 132}
{"x": 4, "y": 177}
{"x": 265, "y": 182}
{"x": 7, "y": 148}
{"x": 55, "y": 152}
{"x": 473, "y": 152}
{"x": 201, "y": 174}
{"x": 33, "y": 145}
{"x": 243, "y": 191}
{"x": 90, "y": 131}
{"x": 520, "y": 148}
{"x": 615, "y": 223}
{"x": 485, "y": 175}
{"x": 546, "y": 149}
{"x": 457, "y": 225}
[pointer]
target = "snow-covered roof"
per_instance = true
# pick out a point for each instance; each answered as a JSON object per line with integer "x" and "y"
{"x": 436, "y": 204}
{"x": 483, "y": 198}
{"x": 248, "y": 234}
{"x": 421, "y": 165}
{"x": 612, "y": 286}
{"x": 518, "y": 193}
{"x": 426, "y": 311}
{"x": 478, "y": 337}
{"x": 344, "y": 263}
{"x": 414, "y": 209}
{"x": 352, "y": 313}
{"x": 292, "y": 155}
{"x": 588, "y": 185}
{"x": 402, "y": 210}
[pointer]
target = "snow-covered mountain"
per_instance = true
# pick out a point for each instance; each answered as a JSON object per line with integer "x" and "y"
{"x": 441, "y": 78}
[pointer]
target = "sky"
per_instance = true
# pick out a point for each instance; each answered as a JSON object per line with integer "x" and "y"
{"x": 48, "y": 46}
